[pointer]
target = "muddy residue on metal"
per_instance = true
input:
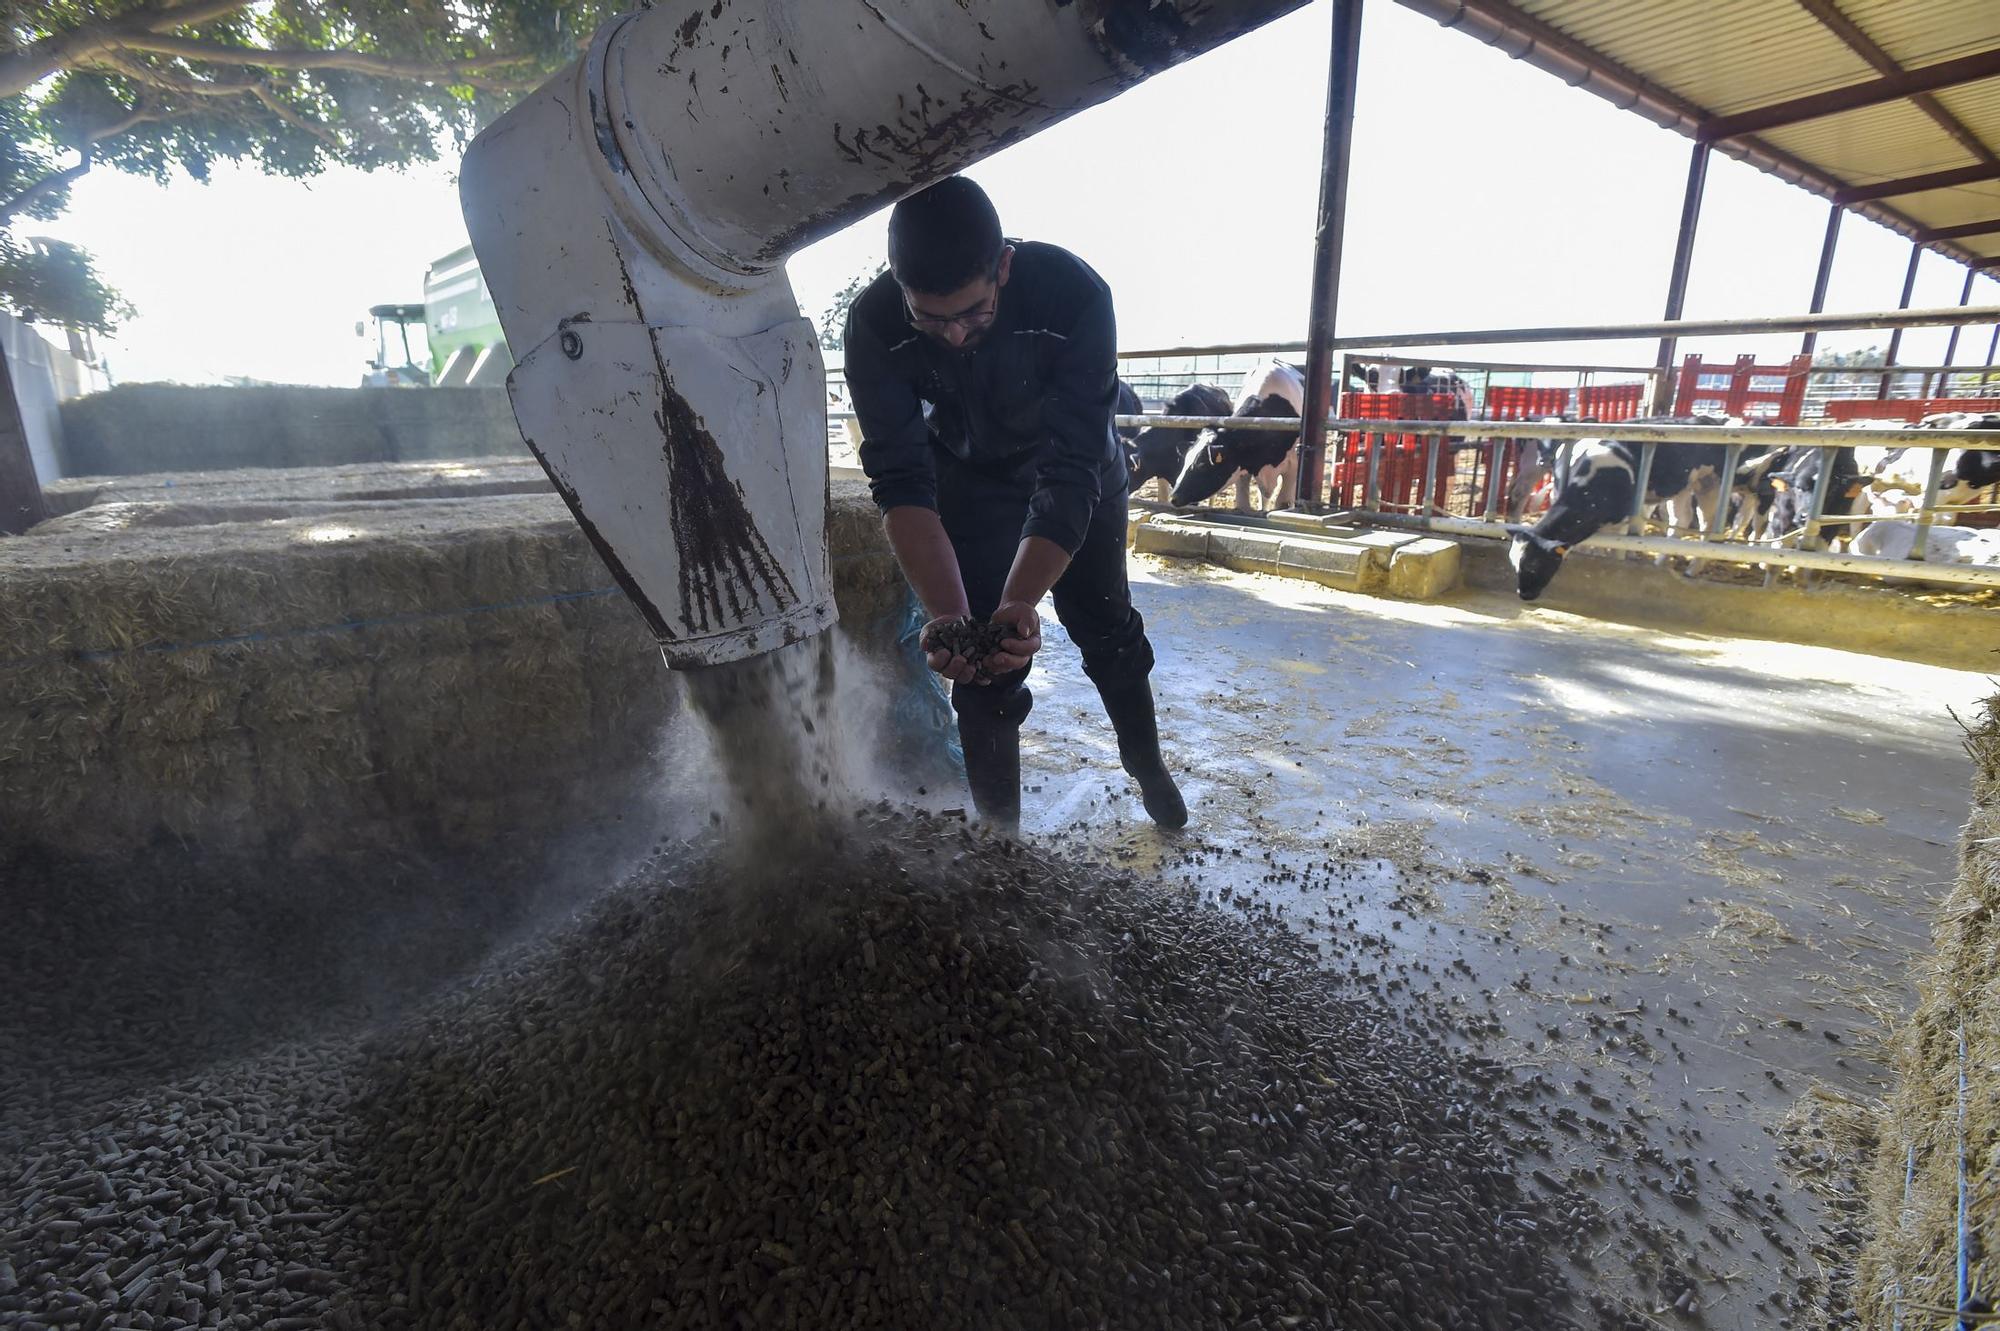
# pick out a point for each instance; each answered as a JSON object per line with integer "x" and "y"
{"x": 1142, "y": 37}
{"x": 722, "y": 554}
{"x": 919, "y": 147}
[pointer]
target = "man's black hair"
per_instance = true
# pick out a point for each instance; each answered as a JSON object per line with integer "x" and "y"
{"x": 943, "y": 237}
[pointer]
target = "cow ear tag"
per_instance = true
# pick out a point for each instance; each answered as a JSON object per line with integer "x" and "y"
{"x": 1778, "y": 484}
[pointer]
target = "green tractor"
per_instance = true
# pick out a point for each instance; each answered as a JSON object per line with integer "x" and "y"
{"x": 383, "y": 372}
{"x": 460, "y": 332}
{"x": 466, "y": 344}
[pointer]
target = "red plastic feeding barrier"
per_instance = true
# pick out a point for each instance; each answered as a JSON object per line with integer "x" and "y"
{"x": 1505, "y": 403}
{"x": 1400, "y": 472}
{"x": 1610, "y": 402}
{"x": 1737, "y": 396}
{"x": 1911, "y": 409}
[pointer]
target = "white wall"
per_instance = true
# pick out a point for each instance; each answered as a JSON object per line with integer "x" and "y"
{"x": 44, "y": 376}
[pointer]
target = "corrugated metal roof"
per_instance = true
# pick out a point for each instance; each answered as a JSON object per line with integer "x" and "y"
{"x": 1923, "y": 32}
{"x": 1718, "y": 56}
{"x": 1881, "y": 143}
{"x": 1687, "y": 63}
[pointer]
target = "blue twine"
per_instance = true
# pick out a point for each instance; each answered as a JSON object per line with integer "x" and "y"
{"x": 1903, "y": 1220}
{"x": 1965, "y": 1319}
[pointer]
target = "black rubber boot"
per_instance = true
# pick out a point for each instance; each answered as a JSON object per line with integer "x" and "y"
{"x": 1130, "y": 707}
{"x": 989, "y": 730}
{"x": 993, "y": 770}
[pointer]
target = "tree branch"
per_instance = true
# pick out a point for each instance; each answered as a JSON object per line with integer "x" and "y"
{"x": 22, "y": 69}
{"x": 168, "y": 80}
{"x": 55, "y": 180}
{"x": 285, "y": 113}
{"x": 361, "y": 62}
{"x": 48, "y": 184}
{"x": 187, "y": 15}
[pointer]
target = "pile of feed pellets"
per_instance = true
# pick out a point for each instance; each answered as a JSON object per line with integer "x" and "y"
{"x": 920, "y": 1077}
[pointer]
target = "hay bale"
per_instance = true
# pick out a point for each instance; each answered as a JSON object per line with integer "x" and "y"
{"x": 138, "y": 428}
{"x": 437, "y": 674}
{"x": 1913, "y": 1248}
{"x": 171, "y": 498}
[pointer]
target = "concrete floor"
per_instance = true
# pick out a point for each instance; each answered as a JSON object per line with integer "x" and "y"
{"x": 1689, "y": 873}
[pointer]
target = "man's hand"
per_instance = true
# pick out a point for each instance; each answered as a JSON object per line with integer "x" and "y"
{"x": 949, "y": 664}
{"x": 1024, "y": 638}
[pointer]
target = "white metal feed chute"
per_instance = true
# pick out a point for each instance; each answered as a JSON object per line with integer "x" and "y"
{"x": 632, "y": 216}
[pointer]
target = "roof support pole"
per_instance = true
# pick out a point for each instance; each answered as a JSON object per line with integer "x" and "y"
{"x": 1992, "y": 349}
{"x": 1663, "y": 381}
{"x": 1896, "y": 337}
{"x": 1343, "y": 63}
{"x": 1951, "y": 343}
{"x": 1826, "y": 248}
{"x": 21, "y": 503}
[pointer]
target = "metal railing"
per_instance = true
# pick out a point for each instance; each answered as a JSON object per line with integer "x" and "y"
{"x": 1629, "y": 534}
{"x": 1493, "y": 443}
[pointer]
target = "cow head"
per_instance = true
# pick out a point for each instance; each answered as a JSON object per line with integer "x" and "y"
{"x": 1217, "y": 455}
{"x": 1206, "y": 467}
{"x": 1160, "y": 451}
{"x": 1980, "y": 467}
{"x": 1155, "y": 454}
{"x": 1535, "y": 559}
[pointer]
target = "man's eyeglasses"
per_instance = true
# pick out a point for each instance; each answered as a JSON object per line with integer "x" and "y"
{"x": 971, "y": 320}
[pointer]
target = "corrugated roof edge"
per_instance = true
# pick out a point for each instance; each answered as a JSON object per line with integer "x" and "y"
{"x": 1524, "y": 37}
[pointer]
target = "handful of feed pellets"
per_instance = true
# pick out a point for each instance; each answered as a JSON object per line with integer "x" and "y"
{"x": 973, "y": 639}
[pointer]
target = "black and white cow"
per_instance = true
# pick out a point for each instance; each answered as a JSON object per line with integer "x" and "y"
{"x": 1598, "y": 492}
{"x": 1897, "y": 475}
{"x": 1797, "y": 479}
{"x": 1274, "y": 388}
{"x": 1536, "y": 462}
{"x": 1422, "y": 379}
{"x": 1159, "y": 452}
{"x": 1967, "y": 470}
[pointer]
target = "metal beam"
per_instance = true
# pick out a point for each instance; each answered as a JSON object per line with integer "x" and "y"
{"x": 1896, "y": 337}
{"x": 1850, "y": 33}
{"x": 1615, "y": 542}
{"x": 1677, "y": 280}
{"x": 1885, "y": 189}
{"x": 1951, "y": 343}
{"x": 1855, "y": 97}
{"x": 1633, "y": 432}
{"x": 1942, "y": 317}
{"x": 1986, "y": 228}
{"x": 1820, "y": 278}
{"x": 1342, "y": 66}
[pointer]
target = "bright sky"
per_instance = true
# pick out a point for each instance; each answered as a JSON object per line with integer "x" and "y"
{"x": 1194, "y": 195}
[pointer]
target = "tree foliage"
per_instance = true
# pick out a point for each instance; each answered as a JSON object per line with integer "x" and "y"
{"x": 49, "y": 281}
{"x": 833, "y": 323}
{"x": 1846, "y": 359}
{"x": 292, "y": 86}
